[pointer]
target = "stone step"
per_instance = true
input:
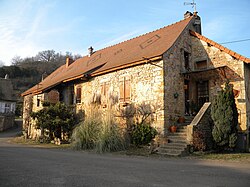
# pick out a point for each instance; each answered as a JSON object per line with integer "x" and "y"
{"x": 171, "y": 152}
{"x": 181, "y": 130}
{"x": 181, "y": 134}
{"x": 173, "y": 145}
{"x": 177, "y": 140}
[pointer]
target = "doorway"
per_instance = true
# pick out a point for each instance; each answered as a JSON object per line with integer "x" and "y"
{"x": 202, "y": 93}
{"x": 187, "y": 101}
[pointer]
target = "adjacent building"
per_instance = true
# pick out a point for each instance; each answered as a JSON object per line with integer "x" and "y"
{"x": 7, "y": 104}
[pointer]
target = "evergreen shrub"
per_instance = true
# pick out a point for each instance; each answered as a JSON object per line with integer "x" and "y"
{"x": 225, "y": 116}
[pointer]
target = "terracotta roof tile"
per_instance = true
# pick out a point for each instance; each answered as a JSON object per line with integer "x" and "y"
{"x": 124, "y": 54}
{"x": 226, "y": 50}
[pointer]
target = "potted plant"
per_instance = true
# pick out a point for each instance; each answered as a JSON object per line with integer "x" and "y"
{"x": 181, "y": 119}
{"x": 173, "y": 126}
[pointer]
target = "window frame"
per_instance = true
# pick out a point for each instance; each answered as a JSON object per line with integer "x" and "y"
{"x": 78, "y": 94}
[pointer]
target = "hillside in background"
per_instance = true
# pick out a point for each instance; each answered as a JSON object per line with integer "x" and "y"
{"x": 27, "y": 72}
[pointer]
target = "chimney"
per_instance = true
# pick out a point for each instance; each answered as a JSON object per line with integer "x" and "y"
{"x": 91, "y": 50}
{"x": 68, "y": 61}
{"x": 44, "y": 75}
{"x": 197, "y": 23}
{"x": 187, "y": 15}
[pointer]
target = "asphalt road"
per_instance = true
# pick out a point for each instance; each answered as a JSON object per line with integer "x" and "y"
{"x": 30, "y": 166}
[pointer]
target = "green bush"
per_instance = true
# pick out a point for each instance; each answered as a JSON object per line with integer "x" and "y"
{"x": 225, "y": 116}
{"x": 57, "y": 118}
{"x": 142, "y": 134}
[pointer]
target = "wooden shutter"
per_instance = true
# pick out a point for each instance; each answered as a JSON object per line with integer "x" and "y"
{"x": 122, "y": 95}
{"x": 127, "y": 90}
{"x": 105, "y": 89}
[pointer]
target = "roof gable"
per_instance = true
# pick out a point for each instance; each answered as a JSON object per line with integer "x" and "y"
{"x": 219, "y": 46}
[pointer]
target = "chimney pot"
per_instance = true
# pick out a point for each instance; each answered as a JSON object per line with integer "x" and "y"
{"x": 91, "y": 50}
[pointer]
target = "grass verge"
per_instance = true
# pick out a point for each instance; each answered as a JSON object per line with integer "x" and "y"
{"x": 236, "y": 157}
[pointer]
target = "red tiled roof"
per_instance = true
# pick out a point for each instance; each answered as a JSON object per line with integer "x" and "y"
{"x": 125, "y": 54}
{"x": 222, "y": 48}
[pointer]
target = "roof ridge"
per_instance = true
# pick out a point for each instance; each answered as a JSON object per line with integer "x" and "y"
{"x": 144, "y": 34}
{"x": 221, "y": 47}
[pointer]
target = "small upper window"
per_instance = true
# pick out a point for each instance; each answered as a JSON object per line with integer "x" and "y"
{"x": 201, "y": 65}
{"x": 38, "y": 102}
{"x": 186, "y": 60}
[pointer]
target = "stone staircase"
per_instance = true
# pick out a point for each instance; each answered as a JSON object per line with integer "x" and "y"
{"x": 177, "y": 144}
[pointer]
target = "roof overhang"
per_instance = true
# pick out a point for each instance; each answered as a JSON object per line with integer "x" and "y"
{"x": 223, "y": 71}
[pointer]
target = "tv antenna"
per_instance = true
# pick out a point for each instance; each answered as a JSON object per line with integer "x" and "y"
{"x": 193, "y": 5}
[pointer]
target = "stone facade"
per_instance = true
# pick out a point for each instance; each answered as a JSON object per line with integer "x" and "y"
{"x": 6, "y": 121}
{"x": 174, "y": 97}
{"x": 231, "y": 69}
{"x": 144, "y": 84}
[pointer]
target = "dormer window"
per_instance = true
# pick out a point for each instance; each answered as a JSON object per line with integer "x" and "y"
{"x": 186, "y": 60}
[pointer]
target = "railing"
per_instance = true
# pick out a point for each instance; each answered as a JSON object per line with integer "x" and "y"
{"x": 196, "y": 120}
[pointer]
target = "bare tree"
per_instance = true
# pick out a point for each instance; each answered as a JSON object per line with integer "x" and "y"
{"x": 16, "y": 60}
{"x": 46, "y": 56}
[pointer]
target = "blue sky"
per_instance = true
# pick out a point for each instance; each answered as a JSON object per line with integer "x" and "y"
{"x": 30, "y": 26}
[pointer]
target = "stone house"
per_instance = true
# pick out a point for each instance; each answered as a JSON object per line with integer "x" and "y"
{"x": 173, "y": 71}
{"x": 7, "y": 104}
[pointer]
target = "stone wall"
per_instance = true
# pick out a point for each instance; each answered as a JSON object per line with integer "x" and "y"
{"x": 29, "y": 106}
{"x": 6, "y": 121}
{"x": 205, "y": 126}
{"x": 174, "y": 98}
{"x": 146, "y": 89}
{"x": 247, "y": 85}
{"x": 234, "y": 72}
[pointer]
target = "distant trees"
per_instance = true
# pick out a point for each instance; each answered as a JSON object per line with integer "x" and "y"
{"x": 26, "y": 72}
{"x": 16, "y": 60}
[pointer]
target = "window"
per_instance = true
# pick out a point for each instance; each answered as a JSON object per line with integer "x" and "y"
{"x": 78, "y": 94}
{"x": 186, "y": 60}
{"x": 38, "y": 102}
{"x": 105, "y": 89}
{"x": 2, "y": 107}
{"x": 7, "y": 107}
{"x": 202, "y": 92}
{"x": 125, "y": 90}
{"x": 201, "y": 65}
